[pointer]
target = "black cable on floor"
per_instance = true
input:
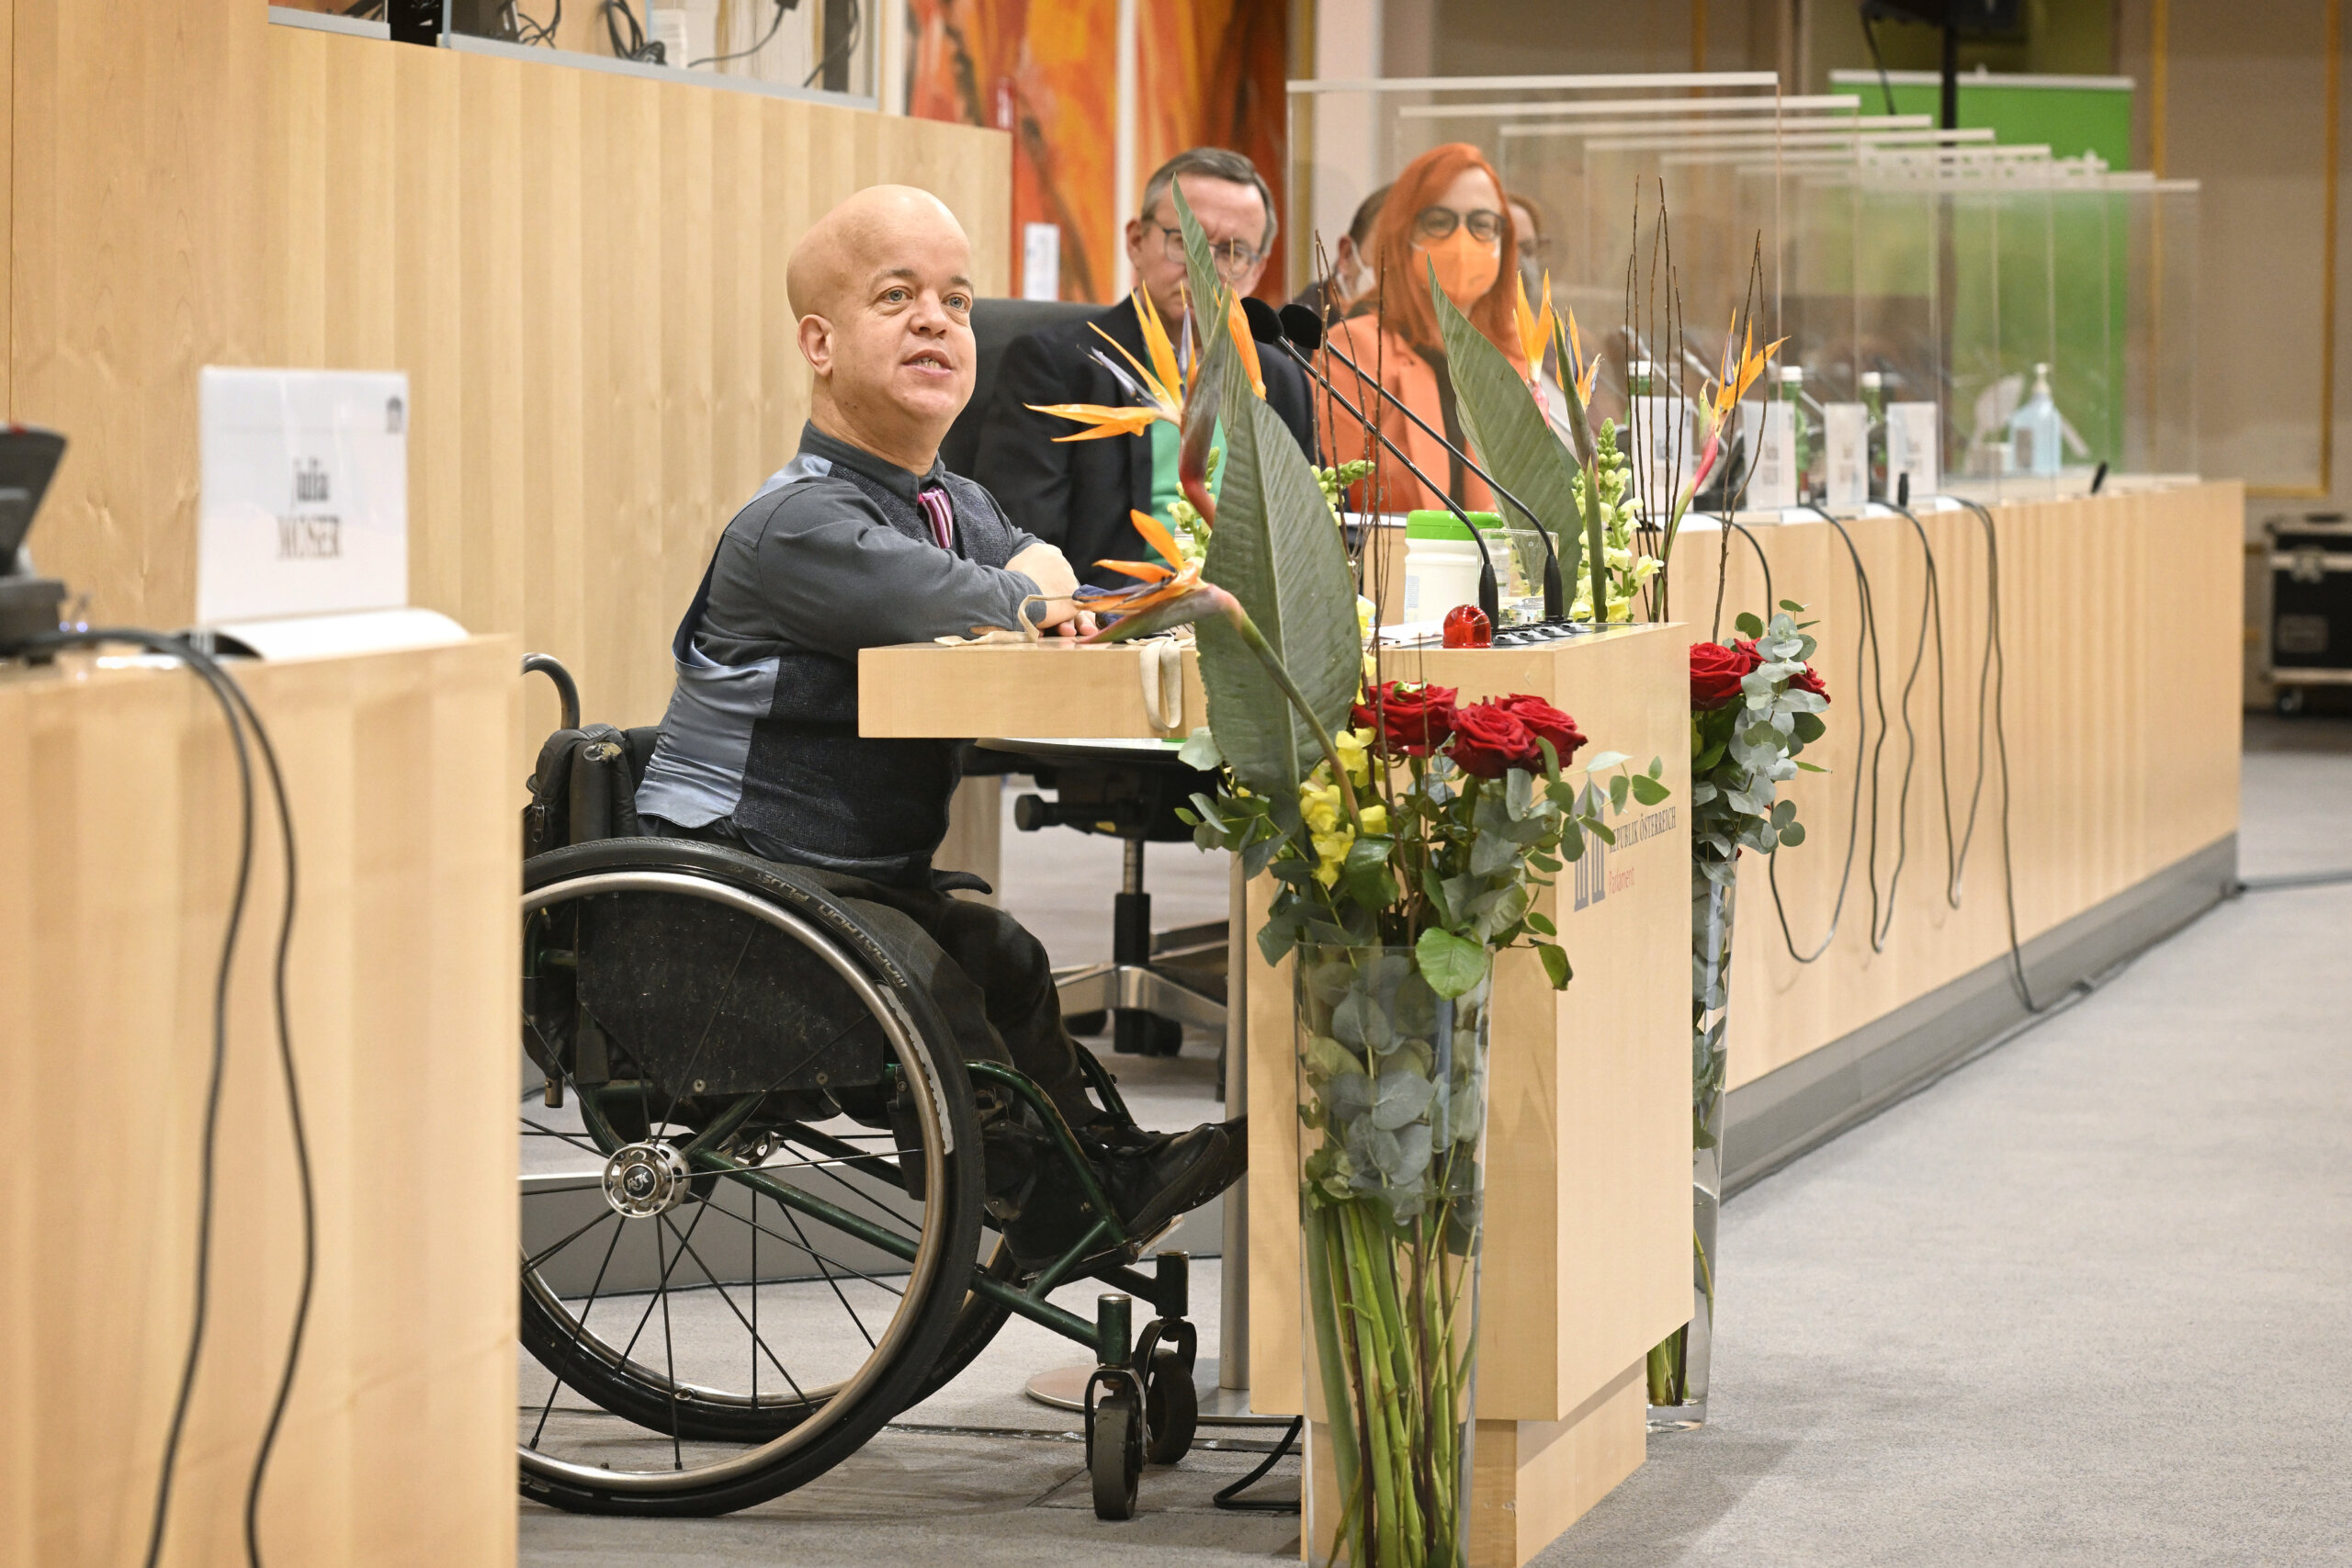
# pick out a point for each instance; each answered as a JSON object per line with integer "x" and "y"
{"x": 237, "y": 712}
{"x": 1230, "y": 1499}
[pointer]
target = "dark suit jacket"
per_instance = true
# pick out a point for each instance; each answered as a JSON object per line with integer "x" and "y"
{"x": 1076, "y": 495}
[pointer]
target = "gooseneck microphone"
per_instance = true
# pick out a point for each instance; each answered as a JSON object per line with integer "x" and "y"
{"x": 1262, "y": 320}
{"x": 1297, "y": 326}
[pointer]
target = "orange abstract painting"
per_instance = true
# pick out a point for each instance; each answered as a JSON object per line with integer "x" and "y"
{"x": 1212, "y": 77}
{"x": 1209, "y": 73}
{"x": 1045, "y": 71}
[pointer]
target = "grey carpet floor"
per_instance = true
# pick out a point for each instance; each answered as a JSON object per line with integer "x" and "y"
{"x": 2082, "y": 1302}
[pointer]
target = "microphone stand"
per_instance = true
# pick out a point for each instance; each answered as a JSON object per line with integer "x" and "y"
{"x": 1489, "y": 596}
{"x": 1283, "y": 324}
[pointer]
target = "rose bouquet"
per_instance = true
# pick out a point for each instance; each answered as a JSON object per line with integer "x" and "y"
{"x": 1408, "y": 836}
{"x": 1755, "y": 705}
{"x": 1407, "y": 860}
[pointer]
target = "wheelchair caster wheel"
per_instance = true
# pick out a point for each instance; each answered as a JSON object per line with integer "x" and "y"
{"x": 1172, "y": 1408}
{"x": 1115, "y": 1451}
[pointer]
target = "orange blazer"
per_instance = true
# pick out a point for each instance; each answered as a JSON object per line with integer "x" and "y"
{"x": 1391, "y": 487}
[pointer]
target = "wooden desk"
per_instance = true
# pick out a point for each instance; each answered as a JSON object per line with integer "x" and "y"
{"x": 2121, "y": 646}
{"x": 117, "y": 848}
{"x": 1587, "y": 1247}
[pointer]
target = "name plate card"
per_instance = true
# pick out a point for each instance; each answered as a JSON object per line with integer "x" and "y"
{"x": 1846, "y": 458}
{"x": 304, "y": 501}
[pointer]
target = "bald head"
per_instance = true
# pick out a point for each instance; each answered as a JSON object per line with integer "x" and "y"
{"x": 882, "y": 285}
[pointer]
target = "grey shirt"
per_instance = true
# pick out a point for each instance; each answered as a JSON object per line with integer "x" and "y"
{"x": 812, "y": 562}
{"x": 835, "y": 553}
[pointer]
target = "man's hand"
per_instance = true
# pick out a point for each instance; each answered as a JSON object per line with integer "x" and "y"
{"x": 1043, "y": 565}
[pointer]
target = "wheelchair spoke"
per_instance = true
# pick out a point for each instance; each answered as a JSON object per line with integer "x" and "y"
{"x": 661, "y": 1288}
{"x": 793, "y": 1220}
{"x": 802, "y": 1245}
{"x": 579, "y": 1328}
{"x": 758, "y": 1343}
{"x": 539, "y": 1257}
{"x": 669, "y": 1354}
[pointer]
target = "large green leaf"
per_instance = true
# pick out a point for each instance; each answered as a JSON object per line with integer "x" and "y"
{"x": 1515, "y": 441}
{"x": 1274, "y": 549}
{"x": 1215, "y": 361}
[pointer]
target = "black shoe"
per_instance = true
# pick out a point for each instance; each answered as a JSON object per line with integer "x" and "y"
{"x": 1162, "y": 1175}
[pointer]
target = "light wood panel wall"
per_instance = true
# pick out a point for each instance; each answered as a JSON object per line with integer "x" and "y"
{"x": 2119, "y": 619}
{"x": 581, "y": 272}
{"x": 118, "y": 849}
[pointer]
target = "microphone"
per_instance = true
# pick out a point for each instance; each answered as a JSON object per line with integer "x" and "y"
{"x": 1262, "y": 322}
{"x": 1295, "y": 325}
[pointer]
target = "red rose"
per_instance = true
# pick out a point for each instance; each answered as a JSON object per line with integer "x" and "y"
{"x": 1545, "y": 722}
{"x": 1490, "y": 741}
{"x": 1716, "y": 672}
{"x": 1408, "y": 721}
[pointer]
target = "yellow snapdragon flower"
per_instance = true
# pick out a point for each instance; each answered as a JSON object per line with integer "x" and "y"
{"x": 1355, "y": 747}
{"x": 1375, "y": 818}
{"x": 1321, "y": 806}
{"x": 1330, "y": 850}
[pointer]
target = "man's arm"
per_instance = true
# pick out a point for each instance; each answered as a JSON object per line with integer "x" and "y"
{"x": 836, "y": 576}
{"x": 1018, "y": 462}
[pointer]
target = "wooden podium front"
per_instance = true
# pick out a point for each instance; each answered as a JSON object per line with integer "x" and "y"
{"x": 1588, "y": 1248}
{"x": 118, "y": 832}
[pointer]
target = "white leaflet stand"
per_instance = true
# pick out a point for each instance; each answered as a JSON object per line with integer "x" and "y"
{"x": 1773, "y": 477}
{"x": 302, "y": 532}
{"x": 1845, "y": 459}
{"x": 1911, "y": 449}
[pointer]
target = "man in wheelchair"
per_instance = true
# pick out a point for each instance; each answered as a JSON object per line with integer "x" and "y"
{"x": 866, "y": 539}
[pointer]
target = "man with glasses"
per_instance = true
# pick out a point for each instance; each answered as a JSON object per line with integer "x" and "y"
{"x": 1076, "y": 495}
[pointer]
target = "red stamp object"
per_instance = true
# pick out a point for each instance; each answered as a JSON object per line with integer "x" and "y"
{"x": 1466, "y": 627}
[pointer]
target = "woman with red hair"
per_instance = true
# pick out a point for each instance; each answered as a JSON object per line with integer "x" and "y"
{"x": 1446, "y": 213}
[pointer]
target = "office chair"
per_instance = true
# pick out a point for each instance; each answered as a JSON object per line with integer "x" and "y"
{"x": 1156, "y": 982}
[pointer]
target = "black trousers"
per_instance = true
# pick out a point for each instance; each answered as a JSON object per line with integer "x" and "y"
{"x": 989, "y": 978}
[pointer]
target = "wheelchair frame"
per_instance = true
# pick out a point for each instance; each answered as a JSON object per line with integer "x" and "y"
{"x": 1140, "y": 1398}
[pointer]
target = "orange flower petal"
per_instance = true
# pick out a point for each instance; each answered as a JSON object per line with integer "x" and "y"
{"x": 1105, "y": 421}
{"x": 1156, "y": 343}
{"x": 1150, "y": 572}
{"x": 1238, "y": 325}
{"x": 1156, "y": 536}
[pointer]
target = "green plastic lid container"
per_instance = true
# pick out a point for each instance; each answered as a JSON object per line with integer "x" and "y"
{"x": 1445, "y": 525}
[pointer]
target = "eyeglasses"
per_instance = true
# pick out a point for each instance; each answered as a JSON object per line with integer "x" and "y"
{"x": 1486, "y": 225}
{"x": 1232, "y": 258}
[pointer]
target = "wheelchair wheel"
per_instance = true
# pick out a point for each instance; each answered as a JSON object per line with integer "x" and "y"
{"x": 751, "y": 1181}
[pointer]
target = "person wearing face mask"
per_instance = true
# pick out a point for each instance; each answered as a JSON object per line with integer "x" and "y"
{"x": 1337, "y": 295}
{"x": 1446, "y": 211}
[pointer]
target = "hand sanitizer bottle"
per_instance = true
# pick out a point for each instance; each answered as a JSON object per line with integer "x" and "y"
{"x": 2036, "y": 432}
{"x": 1874, "y": 405}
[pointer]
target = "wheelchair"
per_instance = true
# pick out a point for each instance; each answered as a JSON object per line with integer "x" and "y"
{"x": 764, "y": 1199}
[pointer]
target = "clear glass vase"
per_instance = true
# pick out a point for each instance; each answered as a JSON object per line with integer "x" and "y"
{"x": 1392, "y": 1092}
{"x": 1677, "y": 1368}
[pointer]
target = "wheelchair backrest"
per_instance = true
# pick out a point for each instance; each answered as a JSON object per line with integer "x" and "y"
{"x": 584, "y": 786}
